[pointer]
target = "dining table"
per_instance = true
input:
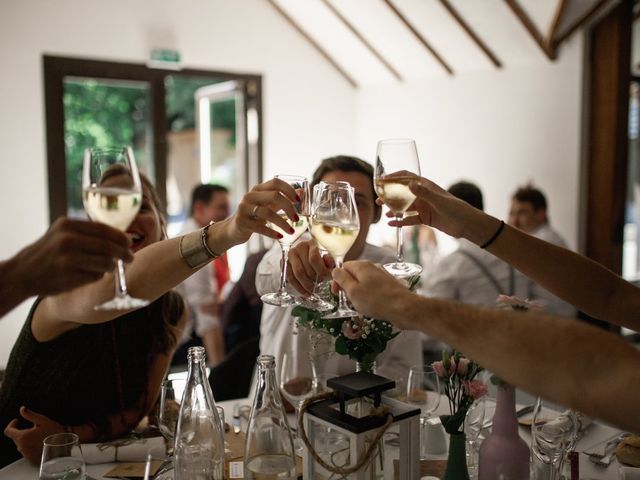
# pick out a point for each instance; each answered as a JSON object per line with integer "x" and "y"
{"x": 594, "y": 434}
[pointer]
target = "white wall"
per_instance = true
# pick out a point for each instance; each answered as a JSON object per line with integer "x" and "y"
{"x": 497, "y": 128}
{"x": 309, "y": 110}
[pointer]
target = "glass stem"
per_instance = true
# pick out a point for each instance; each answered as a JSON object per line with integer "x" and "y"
{"x": 121, "y": 283}
{"x": 342, "y": 297}
{"x": 399, "y": 252}
{"x": 423, "y": 437}
{"x": 283, "y": 276}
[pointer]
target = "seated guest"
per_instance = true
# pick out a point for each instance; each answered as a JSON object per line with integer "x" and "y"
{"x": 71, "y": 253}
{"x": 565, "y": 361}
{"x": 202, "y": 291}
{"x": 529, "y": 213}
{"x": 276, "y": 332}
{"x": 97, "y": 373}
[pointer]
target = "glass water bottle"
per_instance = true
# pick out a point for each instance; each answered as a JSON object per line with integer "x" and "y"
{"x": 199, "y": 442}
{"x": 268, "y": 450}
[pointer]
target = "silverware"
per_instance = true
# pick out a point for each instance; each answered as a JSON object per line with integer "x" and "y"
{"x": 604, "y": 461}
{"x": 606, "y": 446}
{"x": 235, "y": 422}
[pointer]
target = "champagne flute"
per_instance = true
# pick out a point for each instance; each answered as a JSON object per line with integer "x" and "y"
{"x": 553, "y": 431}
{"x": 297, "y": 382}
{"x": 112, "y": 194}
{"x": 423, "y": 391}
{"x": 335, "y": 226}
{"x": 282, "y": 298}
{"x": 397, "y": 165}
{"x": 473, "y": 422}
{"x": 62, "y": 458}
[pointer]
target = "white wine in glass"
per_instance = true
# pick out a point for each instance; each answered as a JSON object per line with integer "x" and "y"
{"x": 282, "y": 298}
{"x": 397, "y": 165}
{"x": 112, "y": 194}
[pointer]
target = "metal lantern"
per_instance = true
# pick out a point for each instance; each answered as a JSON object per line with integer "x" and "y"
{"x": 341, "y": 429}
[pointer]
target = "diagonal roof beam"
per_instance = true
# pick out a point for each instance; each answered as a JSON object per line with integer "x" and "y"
{"x": 531, "y": 28}
{"x": 465, "y": 26}
{"x": 314, "y": 44}
{"x": 364, "y": 41}
{"x": 553, "y": 28}
{"x": 420, "y": 38}
{"x": 583, "y": 19}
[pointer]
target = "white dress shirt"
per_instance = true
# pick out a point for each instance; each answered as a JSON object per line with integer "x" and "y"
{"x": 277, "y": 325}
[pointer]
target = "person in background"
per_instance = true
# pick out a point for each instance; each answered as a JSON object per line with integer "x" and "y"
{"x": 528, "y": 212}
{"x": 70, "y": 254}
{"x": 568, "y": 362}
{"x": 203, "y": 290}
{"x": 306, "y": 263}
{"x": 97, "y": 373}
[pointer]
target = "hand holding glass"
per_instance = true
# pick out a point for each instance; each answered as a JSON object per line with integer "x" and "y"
{"x": 112, "y": 194}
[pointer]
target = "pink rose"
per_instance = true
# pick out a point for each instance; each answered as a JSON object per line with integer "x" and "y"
{"x": 353, "y": 330}
{"x": 438, "y": 367}
{"x": 475, "y": 388}
{"x": 453, "y": 367}
{"x": 463, "y": 366}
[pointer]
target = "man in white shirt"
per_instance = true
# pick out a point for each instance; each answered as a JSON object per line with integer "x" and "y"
{"x": 201, "y": 290}
{"x": 277, "y": 324}
{"x": 529, "y": 213}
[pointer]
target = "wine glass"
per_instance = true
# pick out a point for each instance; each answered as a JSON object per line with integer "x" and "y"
{"x": 553, "y": 431}
{"x": 282, "y": 298}
{"x": 112, "y": 194}
{"x": 296, "y": 382}
{"x": 169, "y": 411}
{"x": 423, "y": 391}
{"x": 62, "y": 458}
{"x": 397, "y": 165}
{"x": 473, "y": 422}
{"x": 335, "y": 226}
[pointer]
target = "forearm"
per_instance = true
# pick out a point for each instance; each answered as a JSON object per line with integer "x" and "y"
{"x": 565, "y": 361}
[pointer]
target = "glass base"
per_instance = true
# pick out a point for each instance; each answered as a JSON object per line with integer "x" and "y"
{"x": 403, "y": 270}
{"x": 316, "y": 303}
{"x": 342, "y": 313}
{"x": 125, "y": 302}
{"x": 278, "y": 299}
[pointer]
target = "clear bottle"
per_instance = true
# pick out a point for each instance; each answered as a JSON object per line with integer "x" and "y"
{"x": 199, "y": 442}
{"x": 268, "y": 451}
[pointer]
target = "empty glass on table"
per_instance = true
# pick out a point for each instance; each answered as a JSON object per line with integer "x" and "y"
{"x": 423, "y": 391}
{"x": 62, "y": 458}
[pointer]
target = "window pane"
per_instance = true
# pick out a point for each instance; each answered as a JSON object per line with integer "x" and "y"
{"x": 101, "y": 113}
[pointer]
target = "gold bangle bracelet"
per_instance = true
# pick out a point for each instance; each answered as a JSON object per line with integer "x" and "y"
{"x": 194, "y": 249}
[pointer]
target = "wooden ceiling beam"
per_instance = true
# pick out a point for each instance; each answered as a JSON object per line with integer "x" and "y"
{"x": 314, "y": 44}
{"x": 364, "y": 41}
{"x": 531, "y": 28}
{"x": 553, "y": 28}
{"x": 476, "y": 39}
{"x": 420, "y": 38}
{"x": 579, "y": 22}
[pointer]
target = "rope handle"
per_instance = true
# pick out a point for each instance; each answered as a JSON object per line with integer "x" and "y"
{"x": 369, "y": 452}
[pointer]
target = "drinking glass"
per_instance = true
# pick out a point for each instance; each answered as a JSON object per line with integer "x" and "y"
{"x": 169, "y": 410}
{"x": 423, "y": 391}
{"x": 473, "y": 422}
{"x": 296, "y": 382}
{"x": 335, "y": 226}
{"x": 553, "y": 430}
{"x": 62, "y": 458}
{"x": 282, "y": 298}
{"x": 397, "y": 165}
{"x": 112, "y": 194}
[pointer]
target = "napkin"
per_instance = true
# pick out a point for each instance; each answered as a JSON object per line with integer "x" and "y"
{"x": 121, "y": 450}
{"x": 629, "y": 473}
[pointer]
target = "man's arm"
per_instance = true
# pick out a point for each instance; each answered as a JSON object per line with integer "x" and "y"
{"x": 573, "y": 364}
{"x": 576, "y": 279}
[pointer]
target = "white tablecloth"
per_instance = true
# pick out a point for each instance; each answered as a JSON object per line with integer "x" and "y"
{"x": 597, "y": 432}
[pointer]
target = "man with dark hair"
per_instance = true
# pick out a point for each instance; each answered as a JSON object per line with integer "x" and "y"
{"x": 529, "y": 213}
{"x": 202, "y": 291}
{"x": 306, "y": 266}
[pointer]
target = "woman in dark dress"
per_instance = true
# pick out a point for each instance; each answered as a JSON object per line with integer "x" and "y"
{"x": 97, "y": 373}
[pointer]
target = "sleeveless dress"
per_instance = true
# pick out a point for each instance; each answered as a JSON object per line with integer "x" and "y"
{"x": 83, "y": 375}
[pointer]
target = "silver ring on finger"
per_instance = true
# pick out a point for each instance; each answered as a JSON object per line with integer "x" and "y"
{"x": 254, "y": 212}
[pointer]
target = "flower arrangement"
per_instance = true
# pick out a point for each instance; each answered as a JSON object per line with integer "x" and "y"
{"x": 360, "y": 338}
{"x": 458, "y": 374}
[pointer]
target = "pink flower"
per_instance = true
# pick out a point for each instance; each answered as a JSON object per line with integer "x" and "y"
{"x": 438, "y": 367}
{"x": 453, "y": 367}
{"x": 475, "y": 388}
{"x": 353, "y": 330}
{"x": 463, "y": 366}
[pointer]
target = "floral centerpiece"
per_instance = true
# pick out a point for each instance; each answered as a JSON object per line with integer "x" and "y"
{"x": 458, "y": 375}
